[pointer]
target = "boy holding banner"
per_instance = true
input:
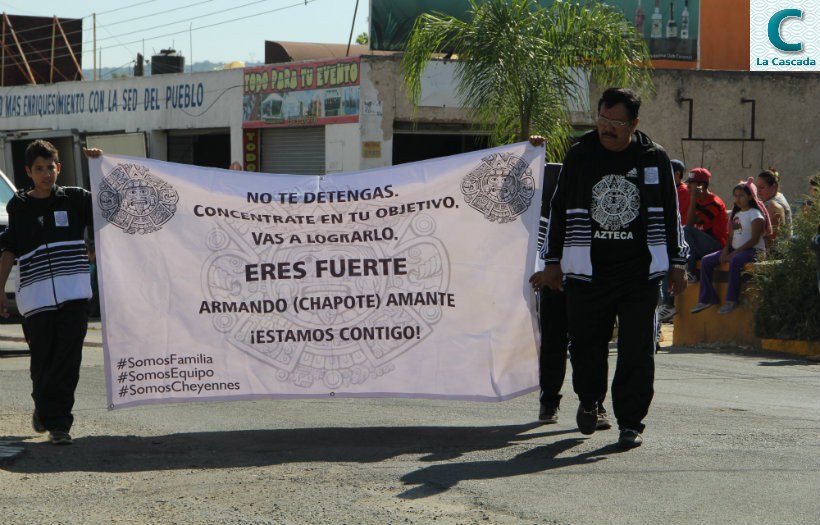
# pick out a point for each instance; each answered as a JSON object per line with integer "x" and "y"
{"x": 46, "y": 233}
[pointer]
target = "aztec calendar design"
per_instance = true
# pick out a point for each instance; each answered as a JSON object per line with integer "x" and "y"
{"x": 136, "y": 201}
{"x": 501, "y": 187}
{"x": 615, "y": 202}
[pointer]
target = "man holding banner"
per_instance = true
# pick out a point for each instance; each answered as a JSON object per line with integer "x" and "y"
{"x": 613, "y": 233}
{"x": 552, "y": 315}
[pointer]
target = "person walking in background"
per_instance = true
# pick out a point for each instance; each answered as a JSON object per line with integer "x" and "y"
{"x": 668, "y": 309}
{"x": 706, "y": 227}
{"x": 552, "y": 315}
{"x": 613, "y": 232}
{"x": 749, "y": 225}
{"x": 679, "y": 170}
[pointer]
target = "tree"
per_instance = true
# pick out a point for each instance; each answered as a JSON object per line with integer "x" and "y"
{"x": 785, "y": 283}
{"x": 518, "y": 65}
{"x": 363, "y": 39}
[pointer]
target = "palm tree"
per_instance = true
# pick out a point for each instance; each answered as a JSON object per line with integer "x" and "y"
{"x": 518, "y": 65}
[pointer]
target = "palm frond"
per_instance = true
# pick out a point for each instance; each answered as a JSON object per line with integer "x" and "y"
{"x": 520, "y": 66}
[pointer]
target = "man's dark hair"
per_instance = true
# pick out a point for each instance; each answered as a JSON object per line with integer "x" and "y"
{"x": 630, "y": 99}
{"x": 41, "y": 148}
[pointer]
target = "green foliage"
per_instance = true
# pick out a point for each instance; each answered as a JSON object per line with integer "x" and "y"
{"x": 363, "y": 39}
{"x": 788, "y": 303}
{"x": 520, "y": 65}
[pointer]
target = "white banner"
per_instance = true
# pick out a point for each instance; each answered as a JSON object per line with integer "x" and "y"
{"x": 408, "y": 281}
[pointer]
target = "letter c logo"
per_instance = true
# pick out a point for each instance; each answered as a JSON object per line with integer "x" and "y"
{"x": 774, "y": 29}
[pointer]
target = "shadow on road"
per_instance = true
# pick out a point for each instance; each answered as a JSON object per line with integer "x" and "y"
{"x": 776, "y": 358}
{"x": 248, "y": 448}
{"x": 440, "y": 478}
{"x": 790, "y": 362}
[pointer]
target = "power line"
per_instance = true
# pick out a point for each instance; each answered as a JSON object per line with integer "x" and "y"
{"x": 122, "y": 8}
{"x": 46, "y": 26}
{"x": 221, "y": 11}
{"x": 123, "y": 45}
{"x": 158, "y": 13}
{"x": 114, "y": 70}
{"x": 299, "y": 4}
{"x": 105, "y": 26}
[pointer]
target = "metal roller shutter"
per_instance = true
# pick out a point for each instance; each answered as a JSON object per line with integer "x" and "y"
{"x": 296, "y": 151}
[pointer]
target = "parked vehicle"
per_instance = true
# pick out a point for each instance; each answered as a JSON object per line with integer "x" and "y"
{"x": 7, "y": 190}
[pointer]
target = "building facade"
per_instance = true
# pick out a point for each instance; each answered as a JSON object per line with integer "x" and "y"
{"x": 349, "y": 114}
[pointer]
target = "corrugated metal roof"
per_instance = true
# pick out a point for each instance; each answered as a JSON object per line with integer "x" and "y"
{"x": 278, "y": 52}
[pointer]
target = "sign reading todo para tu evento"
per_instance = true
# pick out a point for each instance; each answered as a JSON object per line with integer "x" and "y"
{"x": 407, "y": 281}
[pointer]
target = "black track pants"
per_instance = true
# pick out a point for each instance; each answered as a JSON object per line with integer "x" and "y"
{"x": 55, "y": 339}
{"x": 591, "y": 311}
{"x": 552, "y": 360}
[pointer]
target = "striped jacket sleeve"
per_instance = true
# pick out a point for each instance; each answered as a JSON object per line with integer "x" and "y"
{"x": 556, "y": 224}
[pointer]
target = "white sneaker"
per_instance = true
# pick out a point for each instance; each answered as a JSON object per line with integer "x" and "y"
{"x": 666, "y": 313}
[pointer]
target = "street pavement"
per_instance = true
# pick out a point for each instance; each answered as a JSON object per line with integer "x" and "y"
{"x": 732, "y": 437}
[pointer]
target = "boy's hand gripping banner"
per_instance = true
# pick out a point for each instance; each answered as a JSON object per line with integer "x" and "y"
{"x": 407, "y": 281}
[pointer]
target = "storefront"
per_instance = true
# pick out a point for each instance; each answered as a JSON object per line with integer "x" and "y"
{"x": 191, "y": 118}
{"x": 310, "y": 118}
{"x": 349, "y": 114}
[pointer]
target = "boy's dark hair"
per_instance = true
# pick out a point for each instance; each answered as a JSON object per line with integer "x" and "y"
{"x": 41, "y": 148}
{"x": 629, "y": 98}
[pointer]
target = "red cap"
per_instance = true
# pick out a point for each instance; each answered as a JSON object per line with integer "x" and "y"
{"x": 699, "y": 175}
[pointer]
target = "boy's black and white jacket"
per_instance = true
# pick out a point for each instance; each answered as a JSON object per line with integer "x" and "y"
{"x": 48, "y": 239}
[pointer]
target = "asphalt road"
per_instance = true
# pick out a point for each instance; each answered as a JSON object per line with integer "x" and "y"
{"x": 731, "y": 438}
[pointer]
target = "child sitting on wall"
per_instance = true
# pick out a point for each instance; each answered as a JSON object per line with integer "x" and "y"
{"x": 749, "y": 224}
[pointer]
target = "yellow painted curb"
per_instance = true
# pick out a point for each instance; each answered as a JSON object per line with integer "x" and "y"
{"x": 791, "y": 347}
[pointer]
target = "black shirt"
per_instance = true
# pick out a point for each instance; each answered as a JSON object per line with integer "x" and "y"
{"x": 39, "y": 207}
{"x": 618, "y": 231}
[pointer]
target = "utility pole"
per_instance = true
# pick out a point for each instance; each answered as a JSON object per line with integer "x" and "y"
{"x": 350, "y": 39}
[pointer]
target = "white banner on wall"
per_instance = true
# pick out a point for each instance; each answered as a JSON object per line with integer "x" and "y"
{"x": 408, "y": 281}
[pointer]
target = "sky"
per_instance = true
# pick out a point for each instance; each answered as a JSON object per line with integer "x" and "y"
{"x": 213, "y": 30}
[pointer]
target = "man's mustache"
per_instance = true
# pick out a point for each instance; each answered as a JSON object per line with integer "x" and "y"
{"x": 608, "y": 134}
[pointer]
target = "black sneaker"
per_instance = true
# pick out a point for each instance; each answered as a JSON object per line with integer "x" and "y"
{"x": 587, "y": 419}
{"x": 58, "y": 437}
{"x": 548, "y": 414}
{"x": 36, "y": 424}
{"x": 629, "y": 438}
{"x": 603, "y": 421}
